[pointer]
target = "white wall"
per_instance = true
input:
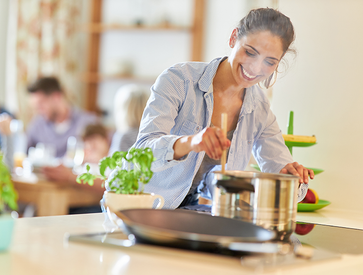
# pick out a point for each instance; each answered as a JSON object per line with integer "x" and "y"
{"x": 221, "y": 18}
{"x": 324, "y": 89}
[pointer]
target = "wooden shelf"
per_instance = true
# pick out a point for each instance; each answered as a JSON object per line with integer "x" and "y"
{"x": 97, "y": 78}
{"x": 95, "y": 28}
{"x": 99, "y": 28}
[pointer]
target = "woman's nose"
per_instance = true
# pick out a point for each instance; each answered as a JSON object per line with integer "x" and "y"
{"x": 256, "y": 67}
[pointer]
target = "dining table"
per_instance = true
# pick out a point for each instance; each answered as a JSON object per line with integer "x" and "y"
{"x": 52, "y": 198}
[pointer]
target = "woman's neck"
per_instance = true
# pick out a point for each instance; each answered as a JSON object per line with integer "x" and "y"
{"x": 224, "y": 82}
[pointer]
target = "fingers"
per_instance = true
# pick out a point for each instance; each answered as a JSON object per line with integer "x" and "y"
{"x": 212, "y": 141}
{"x": 213, "y": 145}
{"x": 283, "y": 171}
{"x": 223, "y": 140}
{"x": 299, "y": 170}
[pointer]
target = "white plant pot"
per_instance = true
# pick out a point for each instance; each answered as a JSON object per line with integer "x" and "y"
{"x": 116, "y": 202}
{"x": 119, "y": 202}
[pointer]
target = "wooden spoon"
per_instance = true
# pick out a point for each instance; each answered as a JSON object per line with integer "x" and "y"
{"x": 224, "y": 130}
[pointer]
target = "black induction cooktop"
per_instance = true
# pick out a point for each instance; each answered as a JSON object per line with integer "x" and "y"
{"x": 335, "y": 239}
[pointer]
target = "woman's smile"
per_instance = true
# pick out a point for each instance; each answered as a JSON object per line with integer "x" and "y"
{"x": 247, "y": 76}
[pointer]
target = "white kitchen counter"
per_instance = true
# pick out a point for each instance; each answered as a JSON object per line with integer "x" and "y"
{"x": 333, "y": 217}
{"x": 39, "y": 248}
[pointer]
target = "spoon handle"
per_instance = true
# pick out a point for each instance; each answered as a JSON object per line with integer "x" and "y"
{"x": 224, "y": 130}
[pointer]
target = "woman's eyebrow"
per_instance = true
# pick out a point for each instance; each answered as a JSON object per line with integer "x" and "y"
{"x": 259, "y": 53}
{"x": 253, "y": 48}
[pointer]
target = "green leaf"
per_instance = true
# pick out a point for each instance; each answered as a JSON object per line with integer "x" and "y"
{"x": 86, "y": 178}
{"x": 106, "y": 162}
{"x": 8, "y": 195}
{"x": 124, "y": 181}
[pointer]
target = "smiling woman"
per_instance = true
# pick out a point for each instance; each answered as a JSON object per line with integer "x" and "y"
{"x": 182, "y": 120}
{"x": 255, "y": 57}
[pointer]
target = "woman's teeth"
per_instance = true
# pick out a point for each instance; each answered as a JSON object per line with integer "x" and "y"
{"x": 247, "y": 74}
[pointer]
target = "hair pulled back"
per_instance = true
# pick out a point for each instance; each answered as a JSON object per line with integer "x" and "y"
{"x": 267, "y": 19}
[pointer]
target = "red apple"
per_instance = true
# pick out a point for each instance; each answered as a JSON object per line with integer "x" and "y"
{"x": 304, "y": 228}
{"x": 311, "y": 197}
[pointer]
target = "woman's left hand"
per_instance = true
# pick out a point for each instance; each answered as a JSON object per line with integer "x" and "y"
{"x": 297, "y": 169}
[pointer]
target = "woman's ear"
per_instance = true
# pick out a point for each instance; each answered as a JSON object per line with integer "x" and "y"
{"x": 233, "y": 38}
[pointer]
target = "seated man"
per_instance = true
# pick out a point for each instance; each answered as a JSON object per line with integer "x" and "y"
{"x": 56, "y": 119}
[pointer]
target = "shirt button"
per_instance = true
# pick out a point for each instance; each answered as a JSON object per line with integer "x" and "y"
{"x": 198, "y": 128}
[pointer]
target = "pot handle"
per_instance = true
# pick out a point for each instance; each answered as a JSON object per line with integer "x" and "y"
{"x": 161, "y": 201}
{"x": 235, "y": 185}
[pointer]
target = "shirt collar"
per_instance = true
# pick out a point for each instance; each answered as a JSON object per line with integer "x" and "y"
{"x": 205, "y": 83}
{"x": 206, "y": 79}
{"x": 248, "y": 101}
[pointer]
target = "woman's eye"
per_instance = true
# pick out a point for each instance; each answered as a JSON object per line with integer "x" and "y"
{"x": 269, "y": 63}
{"x": 249, "y": 53}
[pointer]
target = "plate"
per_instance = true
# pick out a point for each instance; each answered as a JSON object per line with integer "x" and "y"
{"x": 309, "y": 207}
{"x": 316, "y": 170}
{"x": 299, "y": 144}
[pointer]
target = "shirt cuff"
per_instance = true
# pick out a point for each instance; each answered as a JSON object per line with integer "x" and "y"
{"x": 170, "y": 151}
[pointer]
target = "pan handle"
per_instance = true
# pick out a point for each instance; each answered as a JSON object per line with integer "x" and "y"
{"x": 235, "y": 185}
{"x": 282, "y": 248}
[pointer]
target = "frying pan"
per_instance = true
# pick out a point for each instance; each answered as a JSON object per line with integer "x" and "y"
{"x": 191, "y": 230}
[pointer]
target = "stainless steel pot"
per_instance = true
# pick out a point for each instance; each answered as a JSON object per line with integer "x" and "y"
{"x": 267, "y": 200}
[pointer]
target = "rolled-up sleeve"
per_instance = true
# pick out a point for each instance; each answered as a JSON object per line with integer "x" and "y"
{"x": 269, "y": 149}
{"x": 156, "y": 128}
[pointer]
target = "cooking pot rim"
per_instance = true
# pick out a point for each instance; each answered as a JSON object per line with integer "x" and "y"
{"x": 255, "y": 175}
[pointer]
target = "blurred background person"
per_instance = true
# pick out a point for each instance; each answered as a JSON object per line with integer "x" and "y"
{"x": 96, "y": 146}
{"x": 6, "y": 137}
{"x": 56, "y": 119}
{"x": 129, "y": 103}
{"x": 96, "y": 143}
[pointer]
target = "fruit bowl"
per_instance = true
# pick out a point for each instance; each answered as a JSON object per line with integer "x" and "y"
{"x": 309, "y": 207}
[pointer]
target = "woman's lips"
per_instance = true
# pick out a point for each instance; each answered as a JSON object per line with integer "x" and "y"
{"x": 246, "y": 75}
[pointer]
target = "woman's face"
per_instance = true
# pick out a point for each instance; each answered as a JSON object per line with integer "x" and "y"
{"x": 254, "y": 57}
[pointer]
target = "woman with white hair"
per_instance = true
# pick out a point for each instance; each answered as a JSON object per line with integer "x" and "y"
{"x": 129, "y": 104}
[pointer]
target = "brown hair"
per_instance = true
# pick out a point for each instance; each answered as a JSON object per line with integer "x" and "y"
{"x": 267, "y": 19}
{"x": 94, "y": 129}
{"x": 46, "y": 85}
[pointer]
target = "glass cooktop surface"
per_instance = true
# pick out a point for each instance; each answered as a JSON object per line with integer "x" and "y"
{"x": 327, "y": 242}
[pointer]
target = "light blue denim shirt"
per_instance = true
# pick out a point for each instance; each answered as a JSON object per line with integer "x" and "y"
{"x": 181, "y": 103}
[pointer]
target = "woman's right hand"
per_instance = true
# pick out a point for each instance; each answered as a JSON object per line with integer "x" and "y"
{"x": 212, "y": 140}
